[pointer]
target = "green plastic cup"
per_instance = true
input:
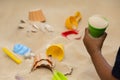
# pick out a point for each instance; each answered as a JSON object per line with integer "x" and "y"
{"x": 97, "y": 25}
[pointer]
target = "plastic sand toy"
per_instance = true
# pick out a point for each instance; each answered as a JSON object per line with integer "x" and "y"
{"x": 72, "y": 21}
{"x": 42, "y": 61}
{"x": 58, "y": 76}
{"x": 37, "y": 15}
{"x": 97, "y": 25}
{"x": 21, "y": 49}
{"x": 56, "y": 51}
{"x": 12, "y": 55}
{"x": 67, "y": 33}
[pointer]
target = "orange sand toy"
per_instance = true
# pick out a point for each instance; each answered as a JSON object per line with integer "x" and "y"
{"x": 42, "y": 61}
{"x": 72, "y": 21}
{"x": 36, "y": 16}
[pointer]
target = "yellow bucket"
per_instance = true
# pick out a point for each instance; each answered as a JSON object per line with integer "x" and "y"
{"x": 56, "y": 51}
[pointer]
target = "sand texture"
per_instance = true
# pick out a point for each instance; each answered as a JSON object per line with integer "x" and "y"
{"x": 55, "y": 12}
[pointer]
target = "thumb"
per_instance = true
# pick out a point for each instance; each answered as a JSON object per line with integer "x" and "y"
{"x": 103, "y": 36}
{"x": 86, "y": 30}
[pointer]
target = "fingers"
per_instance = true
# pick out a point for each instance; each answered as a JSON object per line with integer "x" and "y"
{"x": 87, "y": 33}
{"x": 101, "y": 37}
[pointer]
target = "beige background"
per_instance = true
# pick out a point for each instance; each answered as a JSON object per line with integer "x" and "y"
{"x": 56, "y": 11}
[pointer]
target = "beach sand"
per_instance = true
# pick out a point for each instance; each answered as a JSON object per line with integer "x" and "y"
{"x": 56, "y": 12}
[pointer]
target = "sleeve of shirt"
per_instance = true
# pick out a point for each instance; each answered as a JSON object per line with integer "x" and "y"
{"x": 116, "y": 67}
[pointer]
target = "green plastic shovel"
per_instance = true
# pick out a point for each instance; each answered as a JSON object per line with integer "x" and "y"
{"x": 58, "y": 76}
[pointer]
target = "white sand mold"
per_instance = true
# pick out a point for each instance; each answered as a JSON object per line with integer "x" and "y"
{"x": 98, "y": 21}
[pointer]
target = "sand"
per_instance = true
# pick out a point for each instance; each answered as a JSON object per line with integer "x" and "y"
{"x": 56, "y": 12}
{"x": 98, "y": 21}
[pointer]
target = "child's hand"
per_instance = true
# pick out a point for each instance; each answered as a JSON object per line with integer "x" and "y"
{"x": 93, "y": 45}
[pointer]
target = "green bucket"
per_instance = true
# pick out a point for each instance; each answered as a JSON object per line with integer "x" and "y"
{"x": 96, "y": 31}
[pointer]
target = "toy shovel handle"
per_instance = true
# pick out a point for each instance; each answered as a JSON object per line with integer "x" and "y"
{"x": 77, "y": 16}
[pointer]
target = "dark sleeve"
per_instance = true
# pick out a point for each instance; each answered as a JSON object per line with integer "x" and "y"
{"x": 116, "y": 67}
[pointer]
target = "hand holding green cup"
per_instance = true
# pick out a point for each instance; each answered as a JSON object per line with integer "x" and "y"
{"x": 97, "y": 25}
